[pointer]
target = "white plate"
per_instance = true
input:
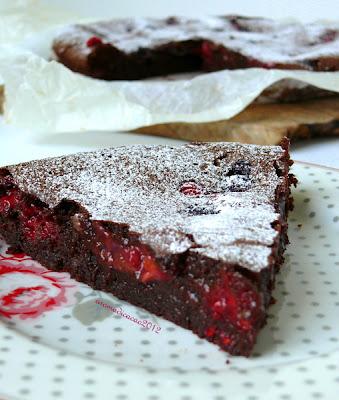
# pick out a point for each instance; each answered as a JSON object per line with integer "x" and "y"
{"x": 56, "y": 341}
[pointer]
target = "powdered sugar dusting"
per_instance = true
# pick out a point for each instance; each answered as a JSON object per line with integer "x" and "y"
{"x": 261, "y": 39}
{"x": 140, "y": 186}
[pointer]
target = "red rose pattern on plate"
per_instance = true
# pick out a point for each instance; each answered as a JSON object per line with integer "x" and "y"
{"x": 27, "y": 290}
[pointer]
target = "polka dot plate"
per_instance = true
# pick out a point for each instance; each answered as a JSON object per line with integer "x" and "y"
{"x": 59, "y": 339}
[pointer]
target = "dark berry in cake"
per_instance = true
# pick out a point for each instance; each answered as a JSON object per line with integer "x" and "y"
{"x": 161, "y": 227}
{"x": 240, "y": 167}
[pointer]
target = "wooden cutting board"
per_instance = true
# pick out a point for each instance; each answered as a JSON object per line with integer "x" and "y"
{"x": 262, "y": 124}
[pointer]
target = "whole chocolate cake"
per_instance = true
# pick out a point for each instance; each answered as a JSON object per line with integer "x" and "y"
{"x": 138, "y": 48}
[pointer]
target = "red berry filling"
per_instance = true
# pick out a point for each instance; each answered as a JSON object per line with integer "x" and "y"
{"x": 37, "y": 222}
{"x": 9, "y": 201}
{"x": 235, "y": 299}
{"x": 135, "y": 259}
{"x": 210, "y": 331}
{"x": 207, "y": 50}
{"x": 190, "y": 189}
{"x": 93, "y": 41}
{"x": 225, "y": 340}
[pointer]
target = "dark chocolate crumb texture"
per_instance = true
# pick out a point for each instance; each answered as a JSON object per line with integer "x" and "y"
{"x": 144, "y": 47}
{"x": 194, "y": 233}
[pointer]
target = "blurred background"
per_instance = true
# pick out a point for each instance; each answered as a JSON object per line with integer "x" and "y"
{"x": 321, "y": 151}
{"x": 305, "y": 10}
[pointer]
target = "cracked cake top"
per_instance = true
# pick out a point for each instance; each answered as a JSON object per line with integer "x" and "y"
{"x": 218, "y": 199}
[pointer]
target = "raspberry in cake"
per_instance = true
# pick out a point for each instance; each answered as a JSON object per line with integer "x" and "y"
{"x": 194, "y": 234}
{"x": 145, "y": 47}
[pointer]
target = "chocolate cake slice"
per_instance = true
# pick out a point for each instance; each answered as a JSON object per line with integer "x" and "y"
{"x": 145, "y": 47}
{"x": 194, "y": 233}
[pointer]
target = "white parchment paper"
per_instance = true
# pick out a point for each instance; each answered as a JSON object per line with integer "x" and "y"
{"x": 44, "y": 95}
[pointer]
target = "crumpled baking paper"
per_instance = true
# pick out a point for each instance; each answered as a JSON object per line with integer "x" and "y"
{"x": 44, "y": 95}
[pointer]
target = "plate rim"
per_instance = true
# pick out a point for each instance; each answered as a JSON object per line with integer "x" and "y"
{"x": 310, "y": 164}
